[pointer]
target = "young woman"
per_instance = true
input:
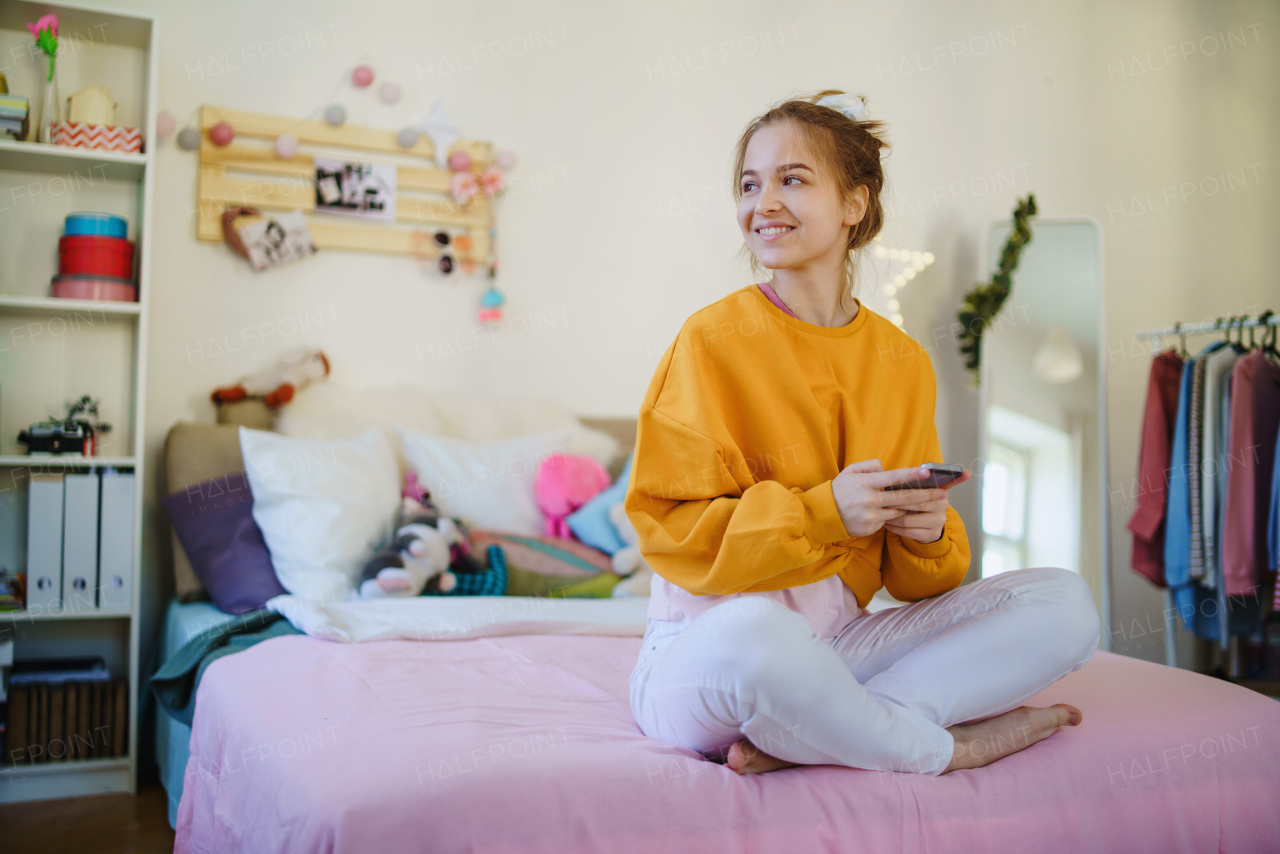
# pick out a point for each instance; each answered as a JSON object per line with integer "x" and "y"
{"x": 772, "y": 428}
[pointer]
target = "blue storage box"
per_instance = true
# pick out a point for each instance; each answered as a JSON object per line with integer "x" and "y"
{"x": 99, "y": 224}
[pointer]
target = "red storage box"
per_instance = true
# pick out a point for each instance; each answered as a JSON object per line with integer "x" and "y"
{"x": 95, "y": 255}
{"x": 91, "y": 287}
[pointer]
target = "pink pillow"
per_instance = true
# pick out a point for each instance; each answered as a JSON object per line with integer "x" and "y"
{"x": 566, "y": 482}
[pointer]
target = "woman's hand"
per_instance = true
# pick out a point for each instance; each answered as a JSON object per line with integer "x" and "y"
{"x": 866, "y": 506}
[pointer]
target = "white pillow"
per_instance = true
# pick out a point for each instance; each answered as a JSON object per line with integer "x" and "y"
{"x": 324, "y": 506}
{"x": 488, "y": 484}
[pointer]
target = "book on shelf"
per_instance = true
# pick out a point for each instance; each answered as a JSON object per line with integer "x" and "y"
{"x": 67, "y": 721}
{"x": 14, "y": 116}
{"x": 51, "y": 670}
{"x": 13, "y": 595}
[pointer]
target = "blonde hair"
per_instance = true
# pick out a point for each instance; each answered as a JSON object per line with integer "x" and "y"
{"x": 847, "y": 149}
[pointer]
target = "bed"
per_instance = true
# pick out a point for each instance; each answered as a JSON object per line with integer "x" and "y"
{"x": 518, "y": 737}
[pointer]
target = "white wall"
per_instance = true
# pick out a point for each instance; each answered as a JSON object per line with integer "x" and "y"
{"x": 620, "y": 221}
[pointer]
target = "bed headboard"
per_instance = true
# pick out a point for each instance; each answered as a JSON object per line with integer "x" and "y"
{"x": 194, "y": 453}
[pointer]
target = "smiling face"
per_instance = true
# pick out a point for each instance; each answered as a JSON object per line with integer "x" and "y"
{"x": 783, "y": 184}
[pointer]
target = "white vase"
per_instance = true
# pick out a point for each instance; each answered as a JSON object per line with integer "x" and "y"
{"x": 50, "y": 110}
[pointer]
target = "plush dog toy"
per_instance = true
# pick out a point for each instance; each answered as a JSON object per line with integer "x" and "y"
{"x": 628, "y": 561}
{"x": 427, "y": 551}
{"x": 277, "y": 385}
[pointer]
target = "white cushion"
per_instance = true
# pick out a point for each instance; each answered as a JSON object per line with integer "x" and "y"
{"x": 486, "y": 484}
{"x": 324, "y": 506}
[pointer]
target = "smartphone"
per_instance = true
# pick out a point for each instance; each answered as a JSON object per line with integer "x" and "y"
{"x": 940, "y": 474}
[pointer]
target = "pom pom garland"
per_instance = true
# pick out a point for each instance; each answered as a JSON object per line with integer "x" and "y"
{"x": 286, "y": 146}
{"x": 408, "y": 137}
{"x": 165, "y": 124}
{"x": 189, "y": 139}
{"x": 222, "y": 133}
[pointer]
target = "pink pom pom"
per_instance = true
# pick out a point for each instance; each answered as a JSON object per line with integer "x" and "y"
{"x": 390, "y": 92}
{"x": 459, "y": 161}
{"x": 505, "y": 159}
{"x": 222, "y": 133}
{"x": 165, "y": 124}
{"x": 362, "y": 76}
{"x": 286, "y": 146}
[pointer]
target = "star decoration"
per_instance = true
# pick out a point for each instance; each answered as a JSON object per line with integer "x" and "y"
{"x": 910, "y": 263}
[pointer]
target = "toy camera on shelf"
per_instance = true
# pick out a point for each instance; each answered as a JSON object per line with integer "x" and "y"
{"x": 76, "y": 434}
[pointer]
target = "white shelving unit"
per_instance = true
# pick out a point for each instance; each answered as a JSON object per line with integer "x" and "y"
{"x": 54, "y": 350}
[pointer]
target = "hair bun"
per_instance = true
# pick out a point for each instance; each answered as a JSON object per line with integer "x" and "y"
{"x": 853, "y": 106}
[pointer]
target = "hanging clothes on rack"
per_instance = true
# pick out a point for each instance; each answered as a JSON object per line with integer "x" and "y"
{"x": 1213, "y": 470}
{"x": 1219, "y": 552}
{"x": 1154, "y": 458}
{"x": 1273, "y": 524}
{"x": 1217, "y": 616}
{"x": 1222, "y": 476}
{"x": 1195, "y": 461}
{"x": 1255, "y": 424}
{"x": 1184, "y": 492}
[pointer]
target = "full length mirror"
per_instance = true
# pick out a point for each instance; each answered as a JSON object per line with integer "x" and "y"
{"x": 1043, "y": 409}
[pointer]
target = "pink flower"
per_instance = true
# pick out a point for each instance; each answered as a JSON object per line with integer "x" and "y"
{"x": 49, "y": 22}
{"x": 491, "y": 181}
{"x": 463, "y": 186}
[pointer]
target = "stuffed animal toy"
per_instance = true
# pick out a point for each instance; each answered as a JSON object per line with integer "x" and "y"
{"x": 566, "y": 482}
{"x": 277, "y": 386}
{"x": 628, "y": 561}
{"x": 427, "y": 551}
{"x": 412, "y": 488}
{"x": 416, "y": 558}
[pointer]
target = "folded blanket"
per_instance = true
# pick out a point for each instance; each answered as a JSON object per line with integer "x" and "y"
{"x": 461, "y": 617}
{"x": 174, "y": 684}
{"x": 411, "y": 618}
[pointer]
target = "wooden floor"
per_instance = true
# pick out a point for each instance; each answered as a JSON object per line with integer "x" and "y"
{"x": 109, "y": 824}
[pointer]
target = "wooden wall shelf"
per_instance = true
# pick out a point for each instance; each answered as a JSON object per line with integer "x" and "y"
{"x": 247, "y": 173}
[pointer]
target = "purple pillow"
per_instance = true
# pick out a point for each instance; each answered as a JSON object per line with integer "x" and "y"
{"x": 214, "y": 522}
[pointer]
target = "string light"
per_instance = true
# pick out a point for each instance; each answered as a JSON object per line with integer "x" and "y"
{"x": 914, "y": 262}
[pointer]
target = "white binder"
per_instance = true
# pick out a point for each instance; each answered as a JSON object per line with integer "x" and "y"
{"x": 44, "y": 542}
{"x": 115, "y": 552}
{"x": 80, "y": 542}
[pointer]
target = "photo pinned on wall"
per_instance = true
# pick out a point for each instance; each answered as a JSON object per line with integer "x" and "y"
{"x": 277, "y": 240}
{"x": 353, "y": 188}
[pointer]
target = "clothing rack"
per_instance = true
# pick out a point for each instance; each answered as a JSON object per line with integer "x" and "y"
{"x": 1223, "y": 325}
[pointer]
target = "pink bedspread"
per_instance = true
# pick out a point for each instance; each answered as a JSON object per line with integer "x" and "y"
{"x": 526, "y": 743}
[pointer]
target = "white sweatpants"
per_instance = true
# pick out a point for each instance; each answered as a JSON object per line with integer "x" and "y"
{"x": 878, "y": 695}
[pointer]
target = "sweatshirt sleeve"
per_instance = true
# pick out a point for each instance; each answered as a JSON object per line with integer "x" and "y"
{"x": 912, "y": 570}
{"x": 699, "y": 529}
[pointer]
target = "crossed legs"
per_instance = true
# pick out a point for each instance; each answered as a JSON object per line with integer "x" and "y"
{"x": 903, "y": 689}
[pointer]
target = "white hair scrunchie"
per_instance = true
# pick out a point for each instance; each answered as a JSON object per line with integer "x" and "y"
{"x": 850, "y": 105}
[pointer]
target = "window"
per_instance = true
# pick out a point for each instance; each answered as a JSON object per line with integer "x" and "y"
{"x": 1004, "y": 509}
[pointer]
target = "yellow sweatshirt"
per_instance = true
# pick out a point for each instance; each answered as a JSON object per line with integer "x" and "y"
{"x": 750, "y": 415}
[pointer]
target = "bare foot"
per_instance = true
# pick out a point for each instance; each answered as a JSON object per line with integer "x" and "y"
{"x": 746, "y": 758}
{"x": 986, "y": 741}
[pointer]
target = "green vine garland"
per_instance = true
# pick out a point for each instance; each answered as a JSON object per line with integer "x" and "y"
{"x": 981, "y": 304}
